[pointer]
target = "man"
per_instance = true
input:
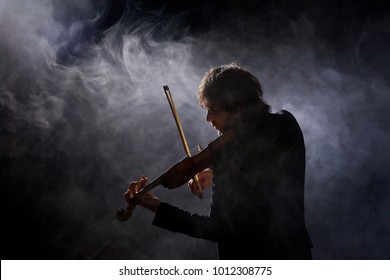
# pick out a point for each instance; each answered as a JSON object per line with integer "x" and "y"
{"x": 257, "y": 179}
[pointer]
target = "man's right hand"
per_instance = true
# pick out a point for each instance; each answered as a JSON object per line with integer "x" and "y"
{"x": 205, "y": 179}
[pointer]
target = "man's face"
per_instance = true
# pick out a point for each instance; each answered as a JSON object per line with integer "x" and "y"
{"x": 219, "y": 119}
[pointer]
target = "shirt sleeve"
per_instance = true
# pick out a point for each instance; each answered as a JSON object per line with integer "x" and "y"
{"x": 178, "y": 220}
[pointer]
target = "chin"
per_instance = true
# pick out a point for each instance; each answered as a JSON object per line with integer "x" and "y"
{"x": 218, "y": 130}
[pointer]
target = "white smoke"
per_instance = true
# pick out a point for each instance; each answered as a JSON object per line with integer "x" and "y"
{"x": 104, "y": 113}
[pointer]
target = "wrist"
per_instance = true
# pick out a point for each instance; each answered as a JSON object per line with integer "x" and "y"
{"x": 155, "y": 206}
{"x": 152, "y": 205}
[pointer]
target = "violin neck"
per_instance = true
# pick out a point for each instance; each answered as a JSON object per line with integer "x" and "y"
{"x": 156, "y": 182}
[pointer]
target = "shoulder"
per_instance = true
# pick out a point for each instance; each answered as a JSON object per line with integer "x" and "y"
{"x": 283, "y": 120}
{"x": 284, "y": 128}
{"x": 271, "y": 126}
{"x": 284, "y": 117}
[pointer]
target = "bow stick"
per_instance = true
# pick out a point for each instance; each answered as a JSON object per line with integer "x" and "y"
{"x": 181, "y": 132}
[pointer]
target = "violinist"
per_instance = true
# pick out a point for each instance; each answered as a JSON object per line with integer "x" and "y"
{"x": 257, "y": 179}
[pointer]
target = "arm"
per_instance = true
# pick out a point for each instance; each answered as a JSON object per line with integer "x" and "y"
{"x": 178, "y": 220}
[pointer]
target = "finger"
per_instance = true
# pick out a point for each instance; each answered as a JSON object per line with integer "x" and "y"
{"x": 141, "y": 183}
{"x": 143, "y": 180}
{"x": 191, "y": 184}
{"x": 193, "y": 187}
{"x": 132, "y": 190}
{"x": 132, "y": 185}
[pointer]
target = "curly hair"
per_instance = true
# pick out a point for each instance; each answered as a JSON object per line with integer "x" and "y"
{"x": 231, "y": 88}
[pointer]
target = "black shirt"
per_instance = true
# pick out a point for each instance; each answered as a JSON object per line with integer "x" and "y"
{"x": 257, "y": 208}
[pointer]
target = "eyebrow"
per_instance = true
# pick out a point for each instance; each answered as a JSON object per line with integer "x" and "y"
{"x": 215, "y": 108}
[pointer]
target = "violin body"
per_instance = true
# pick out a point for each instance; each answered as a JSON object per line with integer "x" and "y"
{"x": 179, "y": 173}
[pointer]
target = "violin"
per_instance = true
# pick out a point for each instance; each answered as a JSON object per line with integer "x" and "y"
{"x": 179, "y": 173}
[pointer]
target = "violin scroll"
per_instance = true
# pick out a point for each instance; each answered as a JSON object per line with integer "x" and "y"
{"x": 123, "y": 215}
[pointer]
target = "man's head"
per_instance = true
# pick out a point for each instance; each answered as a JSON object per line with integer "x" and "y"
{"x": 227, "y": 90}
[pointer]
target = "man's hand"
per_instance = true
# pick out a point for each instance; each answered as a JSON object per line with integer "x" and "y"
{"x": 147, "y": 200}
{"x": 205, "y": 180}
